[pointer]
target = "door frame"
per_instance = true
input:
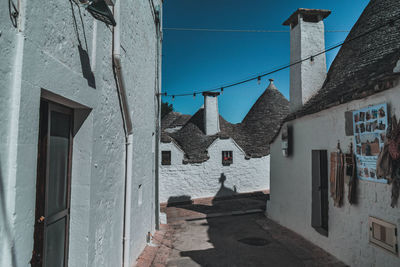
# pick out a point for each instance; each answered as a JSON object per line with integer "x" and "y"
{"x": 43, "y": 159}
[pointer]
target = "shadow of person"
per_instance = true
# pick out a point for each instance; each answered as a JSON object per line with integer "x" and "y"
{"x": 223, "y": 190}
{"x": 185, "y": 201}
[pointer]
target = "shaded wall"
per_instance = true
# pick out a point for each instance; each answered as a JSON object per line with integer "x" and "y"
{"x": 290, "y": 197}
{"x": 65, "y": 55}
{"x": 205, "y": 179}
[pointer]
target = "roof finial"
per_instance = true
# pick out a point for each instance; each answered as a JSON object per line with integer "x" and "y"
{"x": 271, "y": 84}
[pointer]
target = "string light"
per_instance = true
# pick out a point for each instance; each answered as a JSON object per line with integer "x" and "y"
{"x": 258, "y": 80}
{"x": 194, "y": 95}
{"x": 236, "y": 30}
{"x": 391, "y": 22}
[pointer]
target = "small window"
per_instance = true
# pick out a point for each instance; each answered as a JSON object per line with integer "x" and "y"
{"x": 166, "y": 158}
{"x": 227, "y": 158}
{"x": 383, "y": 234}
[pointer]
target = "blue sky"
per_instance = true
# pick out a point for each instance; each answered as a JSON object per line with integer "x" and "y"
{"x": 197, "y": 61}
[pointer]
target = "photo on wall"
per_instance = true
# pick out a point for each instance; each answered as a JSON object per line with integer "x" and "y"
{"x": 370, "y": 125}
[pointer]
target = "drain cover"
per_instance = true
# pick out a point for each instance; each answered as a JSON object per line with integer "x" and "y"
{"x": 254, "y": 241}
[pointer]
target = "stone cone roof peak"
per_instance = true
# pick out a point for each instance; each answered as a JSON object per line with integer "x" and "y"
{"x": 271, "y": 85}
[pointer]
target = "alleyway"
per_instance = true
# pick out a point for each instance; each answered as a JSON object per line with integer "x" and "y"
{"x": 229, "y": 232}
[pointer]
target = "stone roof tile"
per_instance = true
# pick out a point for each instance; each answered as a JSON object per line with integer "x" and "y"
{"x": 364, "y": 65}
{"x": 253, "y": 134}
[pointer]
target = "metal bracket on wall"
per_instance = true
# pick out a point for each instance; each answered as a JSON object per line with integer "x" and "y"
{"x": 13, "y": 13}
{"x": 100, "y": 11}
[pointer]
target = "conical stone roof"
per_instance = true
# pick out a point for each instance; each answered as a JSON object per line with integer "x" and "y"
{"x": 366, "y": 63}
{"x": 253, "y": 134}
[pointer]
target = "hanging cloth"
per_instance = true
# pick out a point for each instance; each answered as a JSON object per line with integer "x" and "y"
{"x": 332, "y": 179}
{"x": 337, "y": 176}
{"x": 388, "y": 164}
{"x": 394, "y": 151}
{"x": 384, "y": 164}
{"x": 351, "y": 172}
{"x": 395, "y": 187}
{"x": 394, "y": 140}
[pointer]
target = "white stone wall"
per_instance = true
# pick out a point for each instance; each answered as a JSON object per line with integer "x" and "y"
{"x": 7, "y": 51}
{"x": 203, "y": 179}
{"x": 290, "y": 203}
{"x": 41, "y": 58}
{"x": 211, "y": 115}
{"x": 306, "y": 78}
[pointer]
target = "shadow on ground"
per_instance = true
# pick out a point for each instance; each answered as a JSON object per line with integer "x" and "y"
{"x": 219, "y": 239}
{"x": 218, "y": 232}
{"x": 225, "y": 200}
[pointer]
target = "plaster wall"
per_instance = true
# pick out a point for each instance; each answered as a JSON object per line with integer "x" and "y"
{"x": 63, "y": 54}
{"x": 290, "y": 194}
{"x": 306, "y": 78}
{"x": 203, "y": 179}
{"x": 8, "y": 46}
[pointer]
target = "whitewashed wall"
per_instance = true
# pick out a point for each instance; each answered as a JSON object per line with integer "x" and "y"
{"x": 202, "y": 180}
{"x": 290, "y": 196}
{"x": 42, "y": 57}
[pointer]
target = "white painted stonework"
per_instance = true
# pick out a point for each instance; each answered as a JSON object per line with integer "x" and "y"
{"x": 203, "y": 179}
{"x": 211, "y": 115}
{"x": 290, "y": 197}
{"x": 306, "y": 78}
{"x": 40, "y": 59}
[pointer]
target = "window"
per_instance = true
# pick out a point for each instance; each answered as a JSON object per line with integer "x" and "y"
{"x": 166, "y": 158}
{"x": 227, "y": 158}
{"x": 383, "y": 234}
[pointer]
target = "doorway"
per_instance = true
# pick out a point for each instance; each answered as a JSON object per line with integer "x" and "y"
{"x": 53, "y": 186}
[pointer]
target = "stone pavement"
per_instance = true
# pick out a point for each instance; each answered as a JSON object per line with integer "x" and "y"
{"x": 228, "y": 232}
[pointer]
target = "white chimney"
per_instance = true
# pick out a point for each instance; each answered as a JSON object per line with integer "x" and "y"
{"x": 211, "y": 115}
{"x": 307, "y": 38}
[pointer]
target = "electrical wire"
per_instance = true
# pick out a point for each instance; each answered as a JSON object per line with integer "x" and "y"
{"x": 257, "y": 77}
{"x": 235, "y": 30}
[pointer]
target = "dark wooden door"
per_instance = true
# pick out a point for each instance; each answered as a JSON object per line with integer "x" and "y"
{"x": 53, "y": 186}
{"x": 319, "y": 199}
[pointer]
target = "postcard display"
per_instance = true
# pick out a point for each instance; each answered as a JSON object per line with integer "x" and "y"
{"x": 369, "y": 126}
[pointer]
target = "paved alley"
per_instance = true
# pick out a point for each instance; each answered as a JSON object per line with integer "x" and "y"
{"x": 229, "y": 232}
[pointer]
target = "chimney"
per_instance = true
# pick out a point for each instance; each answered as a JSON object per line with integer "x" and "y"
{"x": 211, "y": 115}
{"x": 307, "y": 38}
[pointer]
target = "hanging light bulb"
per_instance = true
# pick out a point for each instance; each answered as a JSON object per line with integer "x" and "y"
{"x": 222, "y": 90}
{"x": 194, "y": 95}
{"x": 173, "y": 98}
{"x": 258, "y": 80}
